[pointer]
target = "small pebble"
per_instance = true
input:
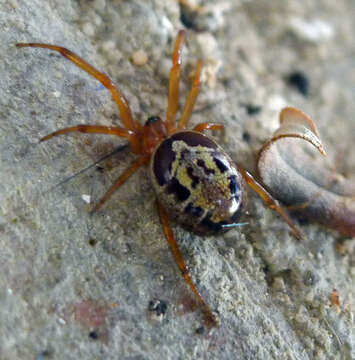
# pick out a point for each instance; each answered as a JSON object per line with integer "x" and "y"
{"x": 86, "y": 198}
{"x": 139, "y": 58}
{"x": 88, "y": 29}
{"x": 314, "y": 31}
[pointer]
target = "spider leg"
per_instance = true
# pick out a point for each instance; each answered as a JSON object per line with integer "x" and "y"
{"x": 173, "y": 101}
{"x": 271, "y": 202}
{"x": 164, "y": 219}
{"x": 207, "y": 126}
{"x": 191, "y": 99}
{"x": 117, "y": 96}
{"x": 143, "y": 160}
{"x": 96, "y": 129}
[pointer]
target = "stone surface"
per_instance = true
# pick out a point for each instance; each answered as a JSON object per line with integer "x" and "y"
{"x": 76, "y": 286}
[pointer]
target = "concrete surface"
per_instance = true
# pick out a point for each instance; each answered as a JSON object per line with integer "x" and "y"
{"x": 76, "y": 286}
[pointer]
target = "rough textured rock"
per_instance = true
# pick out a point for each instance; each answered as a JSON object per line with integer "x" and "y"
{"x": 75, "y": 286}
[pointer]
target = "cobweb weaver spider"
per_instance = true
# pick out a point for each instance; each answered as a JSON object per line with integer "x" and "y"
{"x": 195, "y": 181}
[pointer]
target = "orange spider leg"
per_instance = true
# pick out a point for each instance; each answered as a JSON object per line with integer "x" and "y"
{"x": 117, "y": 96}
{"x": 173, "y": 101}
{"x": 143, "y": 160}
{"x": 271, "y": 202}
{"x": 191, "y": 99}
{"x": 96, "y": 129}
{"x": 207, "y": 126}
{"x": 164, "y": 219}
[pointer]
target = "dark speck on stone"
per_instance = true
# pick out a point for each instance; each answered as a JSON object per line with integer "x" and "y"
{"x": 253, "y": 109}
{"x": 246, "y": 136}
{"x": 93, "y": 335}
{"x": 299, "y": 81}
{"x": 92, "y": 242}
{"x": 188, "y": 19}
{"x": 200, "y": 330}
{"x": 158, "y": 306}
{"x": 46, "y": 354}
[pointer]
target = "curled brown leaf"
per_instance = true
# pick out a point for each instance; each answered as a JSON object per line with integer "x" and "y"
{"x": 292, "y": 169}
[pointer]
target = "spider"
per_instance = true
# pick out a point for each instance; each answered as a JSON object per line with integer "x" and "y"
{"x": 195, "y": 181}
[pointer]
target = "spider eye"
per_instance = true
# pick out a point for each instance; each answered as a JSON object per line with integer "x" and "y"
{"x": 152, "y": 120}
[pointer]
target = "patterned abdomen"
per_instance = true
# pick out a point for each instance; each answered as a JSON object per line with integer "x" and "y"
{"x": 197, "y": 183}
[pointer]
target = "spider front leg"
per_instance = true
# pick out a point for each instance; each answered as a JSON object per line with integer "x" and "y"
{"x": 122, "y": 104}
{"x": 95, "y": 129}
{"x": 271, "y": 202}
{"x": 210, "y": 318}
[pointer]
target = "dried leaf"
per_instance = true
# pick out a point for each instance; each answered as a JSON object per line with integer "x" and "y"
{"x": 292, "y": 169}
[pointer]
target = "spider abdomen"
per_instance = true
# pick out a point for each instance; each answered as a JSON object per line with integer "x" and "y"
{"x": 197, "y": 183}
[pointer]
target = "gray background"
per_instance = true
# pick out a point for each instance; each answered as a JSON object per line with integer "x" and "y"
{"x": 75, "y": 286}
